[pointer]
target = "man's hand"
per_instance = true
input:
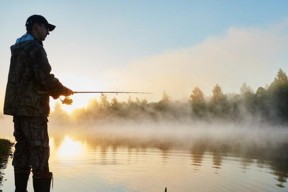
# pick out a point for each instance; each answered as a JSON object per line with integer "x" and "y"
{"x": 67, "y": 92}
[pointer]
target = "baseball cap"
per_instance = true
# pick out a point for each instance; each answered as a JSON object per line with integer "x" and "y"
{"x": 39, "y": 19}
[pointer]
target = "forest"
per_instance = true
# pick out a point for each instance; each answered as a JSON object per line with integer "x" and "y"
{"x": 268, "y": 104}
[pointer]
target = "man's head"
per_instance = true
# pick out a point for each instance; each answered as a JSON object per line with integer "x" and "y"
{"x": 38, "y": 26}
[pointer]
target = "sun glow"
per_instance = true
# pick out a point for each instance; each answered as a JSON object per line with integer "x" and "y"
{"x": 70, "y": 148}
{"x": 79, "y": 102}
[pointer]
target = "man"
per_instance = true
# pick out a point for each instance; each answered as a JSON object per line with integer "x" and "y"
{"x": 29, "y": 86}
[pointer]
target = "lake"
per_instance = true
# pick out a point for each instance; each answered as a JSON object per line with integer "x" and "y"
{"x": 150, "y": 157}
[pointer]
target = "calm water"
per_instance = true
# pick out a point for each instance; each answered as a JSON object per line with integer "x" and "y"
{"x": 79, "y": 166}
{"x": 107, "y": 163}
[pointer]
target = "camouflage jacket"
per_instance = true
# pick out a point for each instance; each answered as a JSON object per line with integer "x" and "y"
{"x": 29, "y": 73}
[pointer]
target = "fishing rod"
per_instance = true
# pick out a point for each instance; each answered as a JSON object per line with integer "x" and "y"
{"x": 68, "y": 101}
{"x": 115, "y": 92}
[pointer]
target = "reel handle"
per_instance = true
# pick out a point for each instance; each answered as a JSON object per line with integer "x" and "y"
{"x": 67, "y": 100}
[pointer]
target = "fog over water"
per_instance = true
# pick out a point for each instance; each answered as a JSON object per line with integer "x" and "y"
{"x": 249, "y": 138}
{"x": 174, "y": 134}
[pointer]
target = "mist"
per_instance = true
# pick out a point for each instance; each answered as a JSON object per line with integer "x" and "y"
{"x": 254, "y": 139}
{"x": 250, "y": 138}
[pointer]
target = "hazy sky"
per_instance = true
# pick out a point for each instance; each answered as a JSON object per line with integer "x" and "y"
{"x": 155, "y": 45}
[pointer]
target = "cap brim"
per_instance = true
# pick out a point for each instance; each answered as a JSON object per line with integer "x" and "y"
{"x": 51, "y": 27}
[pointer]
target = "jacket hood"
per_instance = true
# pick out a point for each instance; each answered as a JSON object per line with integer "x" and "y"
{"x": 24, "y": 38}
{"x": 22, "y": 41}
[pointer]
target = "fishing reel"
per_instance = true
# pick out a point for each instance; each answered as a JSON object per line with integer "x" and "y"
{"x": 67, "y": 100}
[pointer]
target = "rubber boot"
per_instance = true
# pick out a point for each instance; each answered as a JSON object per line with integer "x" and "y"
{"x": 42, "y": 184}
{"x": 21, "y": 181}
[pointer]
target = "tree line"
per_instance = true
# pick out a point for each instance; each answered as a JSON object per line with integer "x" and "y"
{"x": 268, "y": 103}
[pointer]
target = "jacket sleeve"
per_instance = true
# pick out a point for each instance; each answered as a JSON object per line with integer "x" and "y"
{"x": 47, "y": 82}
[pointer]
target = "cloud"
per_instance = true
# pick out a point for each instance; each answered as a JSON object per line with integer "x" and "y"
{"x": 240, "y": 55}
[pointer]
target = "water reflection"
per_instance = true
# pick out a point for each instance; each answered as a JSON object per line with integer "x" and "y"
{"x": 217, "y": 160}
{"x": 102, "y": 163}
{"x": 116, "y": 151}
{"x": 197, "y": 158}
{"x": 280, "y": 169}
{"x": 70, "y": 148}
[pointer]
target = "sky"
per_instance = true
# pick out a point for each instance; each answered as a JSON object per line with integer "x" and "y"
{"x": 154, "y": 45}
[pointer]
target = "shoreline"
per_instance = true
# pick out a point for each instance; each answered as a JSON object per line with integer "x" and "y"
{"x": 5, "y": 146}
{"x": 5, "y": 153}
